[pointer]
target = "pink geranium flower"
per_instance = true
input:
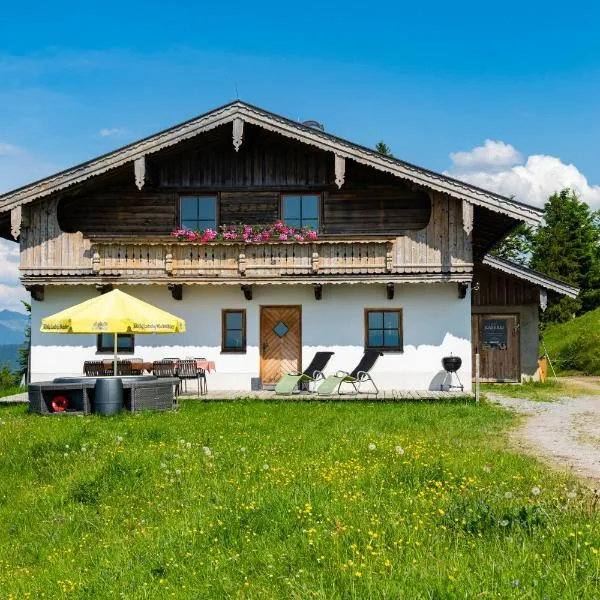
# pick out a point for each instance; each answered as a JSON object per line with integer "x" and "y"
{"x": 246, "y": 233}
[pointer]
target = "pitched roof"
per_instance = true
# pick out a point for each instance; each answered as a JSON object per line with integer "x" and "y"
{"x": 539, "y": 279}
{"x": 285, "y": 127}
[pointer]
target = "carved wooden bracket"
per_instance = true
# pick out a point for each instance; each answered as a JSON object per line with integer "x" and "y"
{"x": 95, "y": 260}
{"x": 318, "y": 289}
{"x": 169, "y": 261}
{"x": 15, "y": 221}
{"x": 242, "y": 264}
{"x": 247, "y": 290}
{"x": 340, "y": 170}
{"x": 139, "y": 168}
{"x": 543, "y": 299}
{"x": 390, "y": 290}
{"x": 467, "y": 215}
{"x": 103, "y": 288}
{"x": 314, "y": 262}
{"x": 36, "y": 291}
{"x": 389, "y": 260}
{"x": 462, "y": 289}
{"x": 238, "y": 133}
{"x": 176, "y": 290}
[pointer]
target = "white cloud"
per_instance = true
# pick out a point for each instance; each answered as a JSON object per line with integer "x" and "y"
{"x": 493, "y": 154}
{"x": 9, "y": 262}
{"x": 11, "y": 291}
{"x": 9, "y": 149}
{"x": 110, "y": 131}
{"x": 11, "y": 296}
{"x": 499, "y": 167}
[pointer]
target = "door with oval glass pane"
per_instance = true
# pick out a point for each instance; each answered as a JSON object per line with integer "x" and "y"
{"x": 280, "y": 342}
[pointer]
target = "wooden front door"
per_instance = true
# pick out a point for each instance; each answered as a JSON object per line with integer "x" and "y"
{"x": 497, "y": 338}
{"x": 280, "y": 342}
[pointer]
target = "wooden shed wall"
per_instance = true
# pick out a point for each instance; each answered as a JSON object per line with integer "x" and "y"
{"x": 500, "y": 289}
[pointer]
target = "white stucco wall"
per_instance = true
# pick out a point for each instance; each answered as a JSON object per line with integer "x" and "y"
{"x": 436, "y": 323}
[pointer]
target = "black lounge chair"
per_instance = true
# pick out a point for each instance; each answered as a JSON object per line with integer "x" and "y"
{"x": 356, "y": 378}
{"x": 314, "y": 372}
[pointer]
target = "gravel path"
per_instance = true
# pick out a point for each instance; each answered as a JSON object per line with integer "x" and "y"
{"x": 565, "y": 432}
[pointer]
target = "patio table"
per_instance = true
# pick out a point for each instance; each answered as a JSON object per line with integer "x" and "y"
{"x": 207, "y": 365}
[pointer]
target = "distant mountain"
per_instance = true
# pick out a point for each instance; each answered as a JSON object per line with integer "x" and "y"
{"x": 10, "y": 354}
{"x": 12, "y": 327}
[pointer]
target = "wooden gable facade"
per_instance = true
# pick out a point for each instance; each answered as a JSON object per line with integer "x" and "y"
{"x": 109, "y": 221}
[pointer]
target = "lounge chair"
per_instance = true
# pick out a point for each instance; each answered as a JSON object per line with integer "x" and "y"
{"x": 356, "y": 378}
{"x": 314, "y": 372}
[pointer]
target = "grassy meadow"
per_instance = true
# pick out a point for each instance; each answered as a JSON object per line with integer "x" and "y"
{"x": 288, "y": 500}
{"x": 552, "y": 389}
{"x": 573, "y": 346}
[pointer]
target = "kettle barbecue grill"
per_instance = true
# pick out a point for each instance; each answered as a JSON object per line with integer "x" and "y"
{"x": 451, "y": 365}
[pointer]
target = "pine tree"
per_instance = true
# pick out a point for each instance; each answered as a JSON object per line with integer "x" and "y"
{"x": 566, "y": 247}
{"x": 516, "y": 246}
{"x": 383, "y": 148}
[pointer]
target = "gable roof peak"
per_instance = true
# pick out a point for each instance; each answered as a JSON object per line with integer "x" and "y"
{"x": 239, "y": 110}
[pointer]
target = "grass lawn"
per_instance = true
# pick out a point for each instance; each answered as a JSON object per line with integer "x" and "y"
{"x": 287, "y": 500}
{"x": 550, "y": 390}
{"x": 12, "y": 390}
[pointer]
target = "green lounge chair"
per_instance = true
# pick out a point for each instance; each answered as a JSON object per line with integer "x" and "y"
{"x": 314, "y": 372}
{"x": 357, "y": 377}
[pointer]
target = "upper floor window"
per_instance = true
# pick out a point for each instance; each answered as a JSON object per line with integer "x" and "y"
{"x": 383, "y": 329}
{"x": 198, "y": 212}
{"x": 301, "y": 211}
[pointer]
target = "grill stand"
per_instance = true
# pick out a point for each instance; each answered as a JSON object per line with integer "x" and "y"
{"x": 449, "y": 387}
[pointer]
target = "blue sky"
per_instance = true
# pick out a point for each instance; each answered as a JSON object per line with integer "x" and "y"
{"x": 434, "y": 80}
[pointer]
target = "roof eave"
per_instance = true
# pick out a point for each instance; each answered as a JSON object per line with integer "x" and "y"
{"x": 534, "y": 277}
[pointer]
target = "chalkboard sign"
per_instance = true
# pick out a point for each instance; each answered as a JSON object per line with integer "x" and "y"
{"x": 494, "y": 334}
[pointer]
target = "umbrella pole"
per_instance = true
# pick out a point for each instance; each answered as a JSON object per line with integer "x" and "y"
{"x": 115, "y": 363}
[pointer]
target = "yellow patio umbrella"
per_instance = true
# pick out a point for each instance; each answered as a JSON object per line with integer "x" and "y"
{"x": 114, "y": 312}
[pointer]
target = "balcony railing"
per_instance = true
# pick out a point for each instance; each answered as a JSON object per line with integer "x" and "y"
{"x": 155, "y": 259}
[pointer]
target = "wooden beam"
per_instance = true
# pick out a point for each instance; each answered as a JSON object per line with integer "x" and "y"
{"x": 36, "y": 291}
{"x": 390, "y": 291}
{"x": 340, "y": 170}
{"x": 176, "y": 290}
{"x": 247, "y": 290}
{"x": 462, "y": 289}
{"x": 15, "y": 221}
{"x": 238, "y": 133}
{"x": 467, "y": 214}
{"x": 318, "y": 289}
{"x": 139, "y": 169}
{"x": 543, "y": 299}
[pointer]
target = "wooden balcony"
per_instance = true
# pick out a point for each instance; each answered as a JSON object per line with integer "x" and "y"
{"x": 107, "y": 259}
{"x": 156, "y": 259}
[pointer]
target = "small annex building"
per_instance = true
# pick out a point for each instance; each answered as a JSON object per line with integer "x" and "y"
{"x": 400, "y": 261}
{"x": 505, "y": 302}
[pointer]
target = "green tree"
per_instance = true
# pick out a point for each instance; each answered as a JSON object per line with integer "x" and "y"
{"x": 383, "y": 148}
{"x": 25, "y": 350}
{"x": 566, "y": 247}
{"x": 516, "y": 246}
